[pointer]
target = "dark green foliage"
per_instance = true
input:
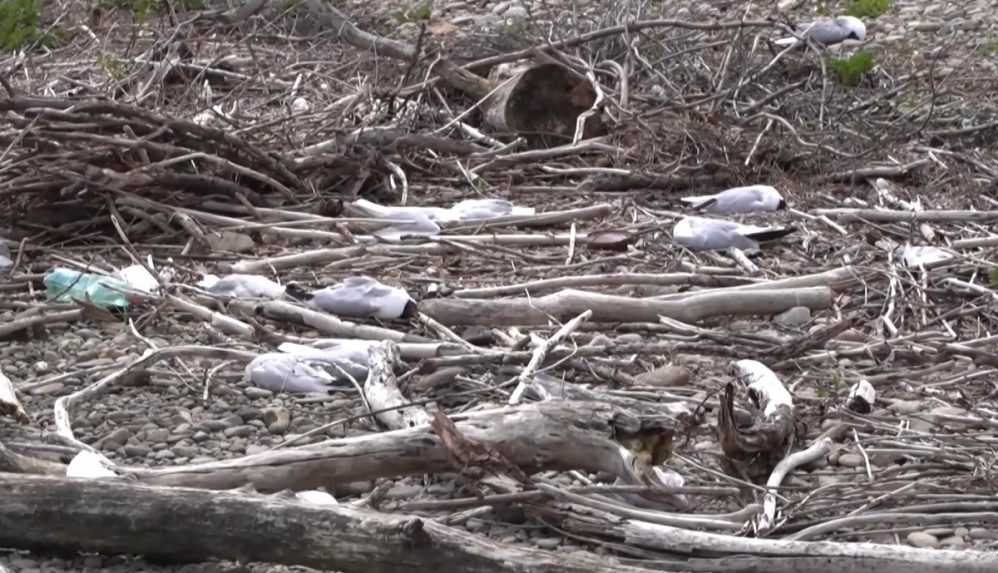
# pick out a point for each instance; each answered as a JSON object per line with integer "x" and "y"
{"x": 19, "y": 24}
{"x": 849, "y": 71}
{"x": 868, "y": 9}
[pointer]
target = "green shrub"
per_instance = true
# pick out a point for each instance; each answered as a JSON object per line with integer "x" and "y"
{"x": 19, "y": 24}
{"x": 849, "y": 71}
{"x": 868, "y": 9}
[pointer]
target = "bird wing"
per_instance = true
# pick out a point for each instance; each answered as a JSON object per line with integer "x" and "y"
{"x": 827, "y": 33}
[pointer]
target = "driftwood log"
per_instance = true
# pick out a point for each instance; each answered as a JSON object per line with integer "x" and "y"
{"x": 549, "y": 436}
{"x": 184, "y": 524}
{"x": 569, "y": 303}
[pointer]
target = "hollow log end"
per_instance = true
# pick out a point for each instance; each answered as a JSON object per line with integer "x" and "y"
{"x": 542, "y": 103}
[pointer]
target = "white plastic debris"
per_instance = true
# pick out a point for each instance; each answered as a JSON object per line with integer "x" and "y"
{"x": 316, "y": 497}
{"x": 862, "y": 395}
{"x": 139, "y": 278}
{"x": 281, "y": 372}
{"x": 765, "y": 385}
{"x": 89, "y": 465}
{"x": 918, "y": 256}
{"x": 242, "y": 286}
{"x": 363, "y": 297}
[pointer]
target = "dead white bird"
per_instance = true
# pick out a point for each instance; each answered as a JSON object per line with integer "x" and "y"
{"x": 363, "y": 297}
{"x": 425, "y": 221}
{"x": 917, "y": 256}
{"x": 346, "y": 355}
{"x": 703, "y": 234}
{"x": 283, "y": 372}
{"x": 828, "y": 32}
{"x": 242, "y": 286}
{"x": 748, "y": 199}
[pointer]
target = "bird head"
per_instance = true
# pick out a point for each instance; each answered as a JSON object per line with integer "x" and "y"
{"x": 855, "y": 26}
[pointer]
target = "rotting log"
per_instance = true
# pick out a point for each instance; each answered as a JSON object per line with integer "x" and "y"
{"x": 568, "y": 303}
{"x": 186, "y": 524}
{"x": 547, "y": 436}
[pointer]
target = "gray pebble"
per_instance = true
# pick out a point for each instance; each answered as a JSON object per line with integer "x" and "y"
{"x": 239, "y": 431}
{"x": 796, "y": 316}
{"x": 851, "y": 460}
{"x": 922, "y": 539}
{"x": 137, "y": 451}
{"x": 548, "y": 543}
{"x": 253, "y": 393}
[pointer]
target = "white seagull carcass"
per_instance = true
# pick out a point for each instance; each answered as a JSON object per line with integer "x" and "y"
{"x": 363, "y": 297}
{"x": 748, "y": 199}
{"x": 281, "y": 372}
{"x": 828, "y": 32}
{"x": 703, "y": 234}
{"x": 425, "y": 221}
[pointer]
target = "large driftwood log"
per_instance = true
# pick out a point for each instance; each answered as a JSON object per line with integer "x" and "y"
{"x": 609, "y": 308}
{"x": 553, "y": 435}
{"x": 182, "y": 524}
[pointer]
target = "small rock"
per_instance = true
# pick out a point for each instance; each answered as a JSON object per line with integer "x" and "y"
{"x": 952, "y": 541}
{"x": 41, "y": 367}
{"x": 157, "y": 435}
{"x": 253, "y": 393}
{"x": 926, "y": 26}
{"x": 665, "y": 376}
{"x": 922, "y": 539}
{"x": 164, "y": 455}
{"x": 548, "y": 543}
{"x": 200, "y": 436}
{"x": 796, "y": 316}
{"x": 501, "y": 7}
{"x": 185, "y": 451}
{"x": 48, "y": 389}
{"x": 223, "y": 423}
{"x": 230, "y": 241}
{"x": 982, "y": 533}
{"x": 239, "y": 431}
{"x": 403, "y": 491}
{"x": 851, "y": 460}
{"x": 474, "y": 524}
{"x": 905, "y": 406}
{"x": 114, "y": 440}
{"x": 249, "y": 414}
{"x": 276, "y": 419}
{"x": 137, "y": 451}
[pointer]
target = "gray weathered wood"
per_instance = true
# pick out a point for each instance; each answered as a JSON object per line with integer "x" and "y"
{"x": 184, "y": 524}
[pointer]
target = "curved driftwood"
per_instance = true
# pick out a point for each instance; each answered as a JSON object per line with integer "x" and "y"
{"x": 566, "y": 304}
{"x": 183, "y": 524}
{"x": 553, "y": 435}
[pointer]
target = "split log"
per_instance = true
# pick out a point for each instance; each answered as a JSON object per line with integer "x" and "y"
{"x": 568, "y": 303}
{"x": 548, "y": 436}
{"x": 184, "y": 525}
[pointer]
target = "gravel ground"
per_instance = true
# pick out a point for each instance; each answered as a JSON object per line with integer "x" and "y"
{"x": 163, "y": 420}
